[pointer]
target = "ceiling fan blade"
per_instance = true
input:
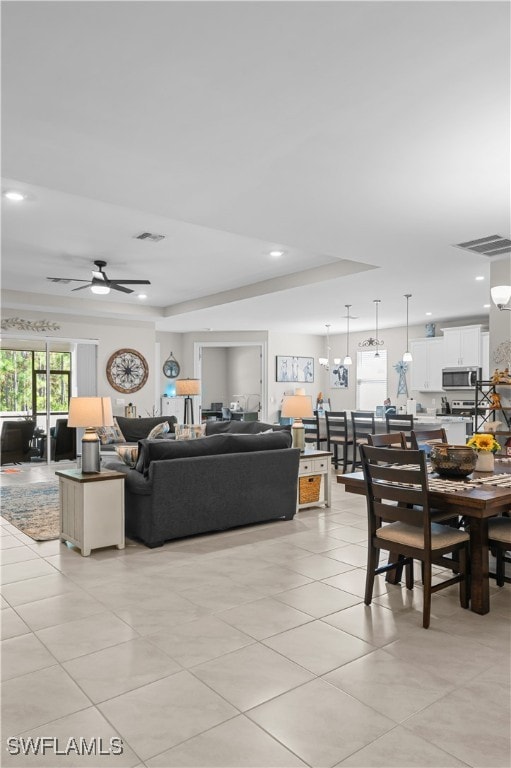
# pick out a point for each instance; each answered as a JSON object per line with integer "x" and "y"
{"x": 81, "y": 287}
{"x": 116, "y": 287}
{"x": 66, "y": 280}
{"x": 131, "y": 282}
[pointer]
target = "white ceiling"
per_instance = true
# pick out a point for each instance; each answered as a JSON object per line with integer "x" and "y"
{"x": 361, "y": 138}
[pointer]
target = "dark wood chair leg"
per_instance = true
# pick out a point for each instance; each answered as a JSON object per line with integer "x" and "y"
{"x": 464, "y": 584}
{"x": 409, "y": 575}
{"x": 426, "y": 606}
{"x": 372, "y": 562}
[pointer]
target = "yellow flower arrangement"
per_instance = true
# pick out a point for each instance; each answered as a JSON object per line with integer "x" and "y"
{"x": 483, "y": 442}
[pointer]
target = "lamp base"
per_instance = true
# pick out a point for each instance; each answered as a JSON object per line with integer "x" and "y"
{"x": 90, "y": 452}
{"x": 298, "y": 434}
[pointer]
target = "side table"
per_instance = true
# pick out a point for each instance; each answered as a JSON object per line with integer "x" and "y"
{"x": 91, "y": 509}
{"x": 313, "y": 462}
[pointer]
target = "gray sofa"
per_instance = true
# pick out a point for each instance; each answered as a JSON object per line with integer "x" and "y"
{"x": 186, "y": 487}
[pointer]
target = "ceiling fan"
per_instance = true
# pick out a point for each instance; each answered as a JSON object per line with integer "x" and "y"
{"x": 100, "y": 282}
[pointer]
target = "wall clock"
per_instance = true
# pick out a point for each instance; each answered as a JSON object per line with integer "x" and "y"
{"x": 127, "y": 370}
{"x": 171, "y": 367}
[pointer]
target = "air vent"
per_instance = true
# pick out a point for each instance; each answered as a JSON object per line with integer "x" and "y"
{"x": 150, "y": 236}
{"x": 494, "y": 245}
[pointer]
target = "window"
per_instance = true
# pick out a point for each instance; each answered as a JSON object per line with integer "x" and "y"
{"x": 371, "y": 379}
{"x": 23, "y": 382}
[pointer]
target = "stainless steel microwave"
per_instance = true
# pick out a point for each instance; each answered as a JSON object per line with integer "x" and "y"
{"x": 460, "y": 378}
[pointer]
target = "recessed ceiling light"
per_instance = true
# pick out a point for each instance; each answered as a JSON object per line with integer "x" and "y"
{"x": 429, "y": 314}
{"x": 142, "y": 295}
{"x": 15, "y": 197}
{"x": 276, "y": 254}
{"x": 480, "y": 277}
{"x": 486, "y": 306}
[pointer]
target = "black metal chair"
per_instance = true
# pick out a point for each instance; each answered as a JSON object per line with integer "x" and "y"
{"x": 402, "y": 422}
{"x": 226, "y": 414}
{"x": 312, "y": 434}
{"x": 362, "y": 425}
{"x": 337, "y": 436}
{"x": 63, "y": 441}
{"x": 397, "y": 491}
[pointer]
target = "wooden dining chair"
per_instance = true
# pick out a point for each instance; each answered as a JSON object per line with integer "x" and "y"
{"x": 499, "y": 541}
{"x": 397, "y": 491}
{"x": 362, "y": 425}
{"x": 388, "y": 440}
{"x": 421, "y": 437}
{"x": 400, "y": 422}
{"x": 337, "y": 437}
{"x": 312, "y": 433}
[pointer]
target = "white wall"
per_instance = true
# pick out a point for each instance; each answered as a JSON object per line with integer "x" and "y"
{"x": 296, "y": 345}
{"x": 244, "y": 375}
{"x": 215, "y": 376}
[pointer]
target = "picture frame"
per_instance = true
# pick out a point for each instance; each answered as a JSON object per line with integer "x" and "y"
{"x": 291, "y": 368}
{"x": 339, "y": 377}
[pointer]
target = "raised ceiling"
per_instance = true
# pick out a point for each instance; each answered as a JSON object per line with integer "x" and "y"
{"x": 363, "y": 139}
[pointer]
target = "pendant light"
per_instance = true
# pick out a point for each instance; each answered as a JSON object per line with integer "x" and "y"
{"x": 370, "y": 342}
{"x": 325, "y": 361}
{"x": 347, "y": 360}
{"x": 407, "y": 357}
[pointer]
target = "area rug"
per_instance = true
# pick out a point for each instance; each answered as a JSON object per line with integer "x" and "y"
{"x": 34, "y": 509}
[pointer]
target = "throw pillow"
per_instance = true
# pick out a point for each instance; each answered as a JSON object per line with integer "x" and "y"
{"x": 128, "y": 454}
{"x": 108, "y": 435}
{"x": 158, "y": 430}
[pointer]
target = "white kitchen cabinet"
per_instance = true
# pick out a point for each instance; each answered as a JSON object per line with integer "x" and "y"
{"x": 462, "y": 346}
{"x": 428, "y": 361}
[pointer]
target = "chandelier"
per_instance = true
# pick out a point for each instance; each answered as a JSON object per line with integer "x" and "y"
{"x": 370, "y": 342}
{"x": 325, "y": 361}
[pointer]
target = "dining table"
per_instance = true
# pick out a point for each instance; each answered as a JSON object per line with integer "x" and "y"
{"x": 477, "y": 498}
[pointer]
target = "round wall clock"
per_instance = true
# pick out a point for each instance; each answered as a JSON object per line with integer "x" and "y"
{"x": 171, "y": 367}
{"x": 127, "y": 370}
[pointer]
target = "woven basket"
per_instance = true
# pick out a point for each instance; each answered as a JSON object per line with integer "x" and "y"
{"x": 309, "y": 488}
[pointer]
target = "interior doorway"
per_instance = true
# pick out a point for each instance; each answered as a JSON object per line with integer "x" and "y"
{"x": 232, "y": 372}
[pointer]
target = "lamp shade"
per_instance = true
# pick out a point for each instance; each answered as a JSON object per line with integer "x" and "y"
{"x": 187, "y": 387}
{"x": 297, "y": 407}
{"x": 90, "y": 412}
{"x": 501, "y": 294}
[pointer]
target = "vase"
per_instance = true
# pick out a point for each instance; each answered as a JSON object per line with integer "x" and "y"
{"x": 485, "y": 461}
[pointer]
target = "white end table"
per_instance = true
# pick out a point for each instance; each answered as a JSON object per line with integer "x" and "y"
{"x": 91, "y": 508}
{"x": 314, "y": 462}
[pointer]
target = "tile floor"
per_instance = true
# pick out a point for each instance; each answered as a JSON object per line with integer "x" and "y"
{"x": 246, "y": 648}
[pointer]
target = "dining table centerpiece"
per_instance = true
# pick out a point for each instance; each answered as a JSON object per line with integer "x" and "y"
{"x": 486, "y": 446}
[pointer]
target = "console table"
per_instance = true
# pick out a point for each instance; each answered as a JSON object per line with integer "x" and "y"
{"x": 91, "y": 508}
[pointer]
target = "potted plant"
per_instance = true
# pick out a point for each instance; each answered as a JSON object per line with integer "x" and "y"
{"x": 486, "y": 447}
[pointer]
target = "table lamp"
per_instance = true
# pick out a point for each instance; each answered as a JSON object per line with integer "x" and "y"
{"x": 91, "y": 413}
{"x": 186, "y": 388}
{"x": 298, "y": 407}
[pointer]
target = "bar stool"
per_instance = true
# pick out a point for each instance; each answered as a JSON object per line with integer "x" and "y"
{"x": 362, "y": 424}
{"x": 337, "y": 436}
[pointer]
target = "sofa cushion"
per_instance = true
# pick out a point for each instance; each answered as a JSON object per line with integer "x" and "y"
{"x": 137, "y": 429}
{"x": 157, "y": 450}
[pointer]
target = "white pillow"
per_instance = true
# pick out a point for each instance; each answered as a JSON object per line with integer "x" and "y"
{"x": 159, "y": 429}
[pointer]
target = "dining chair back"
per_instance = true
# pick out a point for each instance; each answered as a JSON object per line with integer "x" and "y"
{"x": 388, "y": 440}
{"x": 400, "y": 422}
{"x": 337, "y": 436}
{"x": 362, "y": 425}
{"x": 397, "y": 491}
{"x": 499, "y": 540}
{"x": 421, "y": 438}
{"x": 312, "y": 432}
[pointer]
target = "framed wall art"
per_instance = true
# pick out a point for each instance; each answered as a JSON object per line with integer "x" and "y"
{"x": 292, "y": 368}
{"x": 339, "y": 377}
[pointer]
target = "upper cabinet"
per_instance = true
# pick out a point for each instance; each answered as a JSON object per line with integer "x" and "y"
{"x": 428, "y": 361}
{"x": 462, "y": 346}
